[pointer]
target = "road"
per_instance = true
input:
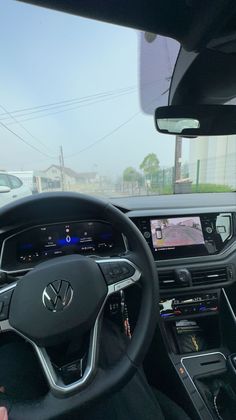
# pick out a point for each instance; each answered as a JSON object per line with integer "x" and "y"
{"x": 180, "y": 235}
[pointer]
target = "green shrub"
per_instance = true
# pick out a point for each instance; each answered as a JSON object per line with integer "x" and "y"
{"x": 207, "y": 188}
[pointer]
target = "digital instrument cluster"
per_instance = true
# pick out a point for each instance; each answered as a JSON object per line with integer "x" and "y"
{"x": 49, "y": 241}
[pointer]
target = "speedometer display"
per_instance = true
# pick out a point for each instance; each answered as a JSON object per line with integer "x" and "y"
{"x": 50, "y": 241}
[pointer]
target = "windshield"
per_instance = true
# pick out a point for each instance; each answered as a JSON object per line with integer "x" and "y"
{"x": 76, "y": 112}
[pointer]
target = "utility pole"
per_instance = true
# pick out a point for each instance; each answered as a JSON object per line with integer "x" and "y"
{"x": 178, "y": 156}
{"x": 62, "y": 168}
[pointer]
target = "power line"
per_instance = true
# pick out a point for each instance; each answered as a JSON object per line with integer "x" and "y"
{"x": 72, "y": 108}
{"x": 91, "y": 144}
{"x": 110, "y": 132}
{"x": 74, "y": 99}
{"x": 103, "y": 137}
{"x": 24, "y": 141}
{"x": 22, "y": 126}
{"x": 64, "y": 103}
{"x": 80, "y": 103}
{"x": 68, "y": 102}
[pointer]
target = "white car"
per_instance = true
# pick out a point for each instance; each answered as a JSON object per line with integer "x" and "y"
{"x": 11, "y": 188}
{"x": 159, "y": 232}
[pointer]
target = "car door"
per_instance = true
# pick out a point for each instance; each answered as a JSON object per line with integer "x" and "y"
{"x": 5, "y": 190}
{"x": 18, "y": 189}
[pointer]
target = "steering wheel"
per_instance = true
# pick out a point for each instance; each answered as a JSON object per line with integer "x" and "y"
{"x": 64, "y": 297}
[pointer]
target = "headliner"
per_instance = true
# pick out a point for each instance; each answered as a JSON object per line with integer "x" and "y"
{"x": 192, "y": 22}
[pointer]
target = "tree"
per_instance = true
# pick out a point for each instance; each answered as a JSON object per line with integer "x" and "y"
{"x": 130, "y": 174}
{"x": 150, "y": 164}
{"x": 150, "y": 168}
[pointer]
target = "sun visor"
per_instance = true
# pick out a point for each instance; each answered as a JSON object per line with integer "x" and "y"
{"x": 157, "y": 58}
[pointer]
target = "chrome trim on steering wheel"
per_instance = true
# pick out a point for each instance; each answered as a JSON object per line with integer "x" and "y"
{"x": 54, "y": 381}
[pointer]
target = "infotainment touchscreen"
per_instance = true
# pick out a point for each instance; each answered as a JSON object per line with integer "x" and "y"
{"x": 183, "y": 236}
{"x": 176, "y": 231}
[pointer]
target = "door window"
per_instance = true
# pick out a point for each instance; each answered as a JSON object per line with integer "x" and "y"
{"x": 15, "y": 182}
{"x": 4, "y": 182}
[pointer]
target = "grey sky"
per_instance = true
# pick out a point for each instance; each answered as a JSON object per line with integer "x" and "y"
{"x": 48, "y": 57}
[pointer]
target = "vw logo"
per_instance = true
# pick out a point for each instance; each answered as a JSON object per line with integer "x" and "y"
{"x": 57, "y": 295}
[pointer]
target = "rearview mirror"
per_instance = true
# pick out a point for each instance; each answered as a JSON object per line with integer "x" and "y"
{"x": 4, "y": 189}
{"x": 196, "y": 120}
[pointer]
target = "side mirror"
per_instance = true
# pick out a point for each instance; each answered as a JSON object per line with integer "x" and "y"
{"x": 4, "y": 189}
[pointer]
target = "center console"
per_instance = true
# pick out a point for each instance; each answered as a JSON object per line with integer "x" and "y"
{"x": 195, "y": 258}
{"x": 198, "y": 332}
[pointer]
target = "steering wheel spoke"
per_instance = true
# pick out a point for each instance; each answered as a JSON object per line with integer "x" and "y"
{"x": 83, "y": 368}
{"x": 57, "y": 377}
{"x": 119, "y": 273}
{"x": 86, "y": 366}
{"x": 5, "y": 301}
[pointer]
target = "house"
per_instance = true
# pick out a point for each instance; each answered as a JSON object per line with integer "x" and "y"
{"x": 69, "y": 176}
{"x": 55, "y": 173}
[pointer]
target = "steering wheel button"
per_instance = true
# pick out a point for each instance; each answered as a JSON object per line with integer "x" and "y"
{"x": 116, "y": 270}
{"x": 4, "y": 312}
{"x": 128, "y": 269}
{"x": 6, "y": 297}
{"x": 125, "y": 269}
{"x": 112, "y": 272}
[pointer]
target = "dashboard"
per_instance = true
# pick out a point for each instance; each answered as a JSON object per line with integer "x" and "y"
{"x": 191, "y": 236}
{"x": 29, "y": 247}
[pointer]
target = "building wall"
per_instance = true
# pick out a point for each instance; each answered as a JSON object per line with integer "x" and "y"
{"x": 68, "y": 180}
{"x": 53, "y": 173}
{"x": 217, "y": 156}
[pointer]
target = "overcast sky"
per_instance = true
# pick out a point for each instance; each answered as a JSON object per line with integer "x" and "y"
{"x": 49, "y": 57}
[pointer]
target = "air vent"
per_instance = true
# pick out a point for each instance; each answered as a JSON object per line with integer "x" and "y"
{"x": 167, "y": 279}
{"x": 211, "y": 275}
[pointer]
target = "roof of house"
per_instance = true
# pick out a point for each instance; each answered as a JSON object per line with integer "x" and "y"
{"x": 72, "y": 173}
{"x": 67, "y": 171}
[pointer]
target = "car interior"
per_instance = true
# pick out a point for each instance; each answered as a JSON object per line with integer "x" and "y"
{"x": 161, "y": 268}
